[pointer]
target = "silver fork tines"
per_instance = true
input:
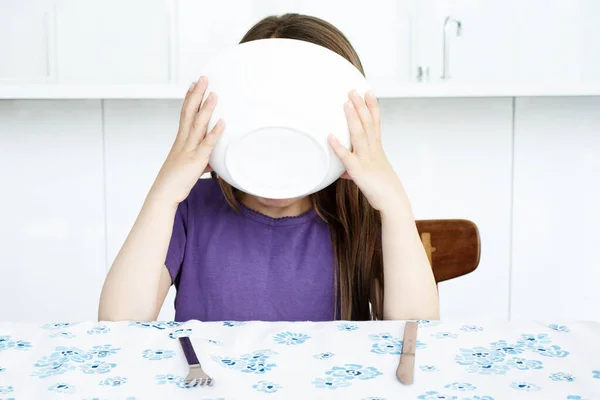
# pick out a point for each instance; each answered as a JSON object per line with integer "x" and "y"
{"x": 197, "y": 376}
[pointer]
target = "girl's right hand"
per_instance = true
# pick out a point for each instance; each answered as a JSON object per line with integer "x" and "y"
{"x": 190, "y": 153}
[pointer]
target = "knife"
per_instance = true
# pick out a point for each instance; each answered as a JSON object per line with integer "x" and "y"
{"x": 406, "y": 367}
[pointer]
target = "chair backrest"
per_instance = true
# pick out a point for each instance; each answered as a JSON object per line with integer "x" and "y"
{"x": 452, "y": 245}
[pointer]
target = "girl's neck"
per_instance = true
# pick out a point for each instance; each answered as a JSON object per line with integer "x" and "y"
{"x": 277, "y": 208}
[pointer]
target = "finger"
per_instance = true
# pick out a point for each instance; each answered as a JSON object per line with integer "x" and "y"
{"x": 200, "y": 123}
{"x": 373, "y": 106}
{"x": 361, "y": 108}
{"x": 345, "y": 175}
{"x": 357, "y": 132}
{"x": 190, "y": 107}
{"x": 210, "y": 141}
{"x": 346, "y": 156}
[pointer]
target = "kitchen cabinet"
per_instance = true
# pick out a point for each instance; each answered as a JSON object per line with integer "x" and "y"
{"x": 555, "y": 271}
{"x": 380, "y": 32}
{"x": 113, "y": 41}
{"x": 26, "y": 41}
{"x": 52, "y": 210}
{"x": 558, "y": 40}
{"x": 205, "y": 28}
{"x": 454, "y": 159}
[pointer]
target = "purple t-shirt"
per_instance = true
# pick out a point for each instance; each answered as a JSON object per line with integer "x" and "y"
{"x": 248, "y": 266}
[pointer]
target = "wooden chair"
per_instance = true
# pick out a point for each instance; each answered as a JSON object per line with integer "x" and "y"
{"x": 452, "y": 245}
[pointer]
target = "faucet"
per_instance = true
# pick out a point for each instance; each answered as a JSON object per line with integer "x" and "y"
{"x": 446, "y": 55}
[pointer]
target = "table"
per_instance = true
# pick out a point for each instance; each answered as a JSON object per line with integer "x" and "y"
{"x": 301, "y": 360}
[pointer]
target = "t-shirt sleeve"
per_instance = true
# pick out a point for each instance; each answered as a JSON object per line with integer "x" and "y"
{"x": 176, "y": 250}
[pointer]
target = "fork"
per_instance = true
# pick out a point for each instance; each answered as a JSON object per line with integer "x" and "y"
{"x": 196, "y": 376}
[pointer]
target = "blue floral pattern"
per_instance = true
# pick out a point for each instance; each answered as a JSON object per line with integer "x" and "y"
{"x": 559, "y": 328}
{"x": 251, "y": 363}
{"x": 562, "y": 376}
{"x": 98, "y": 330}
{"x": 58, "y": 325}
{"x": 6, "y": 389}
{"x": 158, "y": 354}
{"x": 171, "y": 379}
{"x": 97, "y": 367}
{"x": 266, "y": 387}
{"x": 348, "y": 373}
{"x": 6, "y": 343}
{"x": 114, "y": 382}
{"x": 66, "y": 359}
{"x": 233, "y": 323}
{"x": 352, "y": 371}
{"x": 323, "y": 356}
{"x": 62, "y": 387}
{"x": 346, "y": 327}
{"x": 501, "y": 356}
{"x": 160, "y": 325}
{"x": 290, "y": 338}
{"x": 445, "y": 335}
{"x": 525, "y": 387}
{"x": 434, "y": 395}
{"x": 330, "y": 383}
{"x": 338, "y": 359}
{"x": 64, "y": 335}
{"x": 104, "y": 351}
{"x": 471, "y": 328}
{"x": 524, "y": 364}
{"x": 180, "y": 333}
{"x": 462, "y": 386}
{"x": 386, "y": 343}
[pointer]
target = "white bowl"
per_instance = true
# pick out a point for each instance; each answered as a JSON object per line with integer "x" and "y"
{"x": 280, "y": 99}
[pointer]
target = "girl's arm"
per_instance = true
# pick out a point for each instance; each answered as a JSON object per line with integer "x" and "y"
{"x": 410, "y": 291}
{"x": 138, "y": 280}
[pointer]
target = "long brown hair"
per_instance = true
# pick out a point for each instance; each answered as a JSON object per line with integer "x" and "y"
{"x": 354, "y": 225}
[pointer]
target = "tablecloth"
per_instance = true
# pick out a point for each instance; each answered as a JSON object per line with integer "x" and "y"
{"x": 301, "y": 360}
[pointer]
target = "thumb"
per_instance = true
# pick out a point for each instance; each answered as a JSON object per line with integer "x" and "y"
{"x": 346, "y": 156}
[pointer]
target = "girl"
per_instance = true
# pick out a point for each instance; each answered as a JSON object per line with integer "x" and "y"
{"x": 350, "y": 251}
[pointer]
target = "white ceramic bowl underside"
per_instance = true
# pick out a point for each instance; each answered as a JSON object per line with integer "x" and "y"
{"x": 280, "y": 99}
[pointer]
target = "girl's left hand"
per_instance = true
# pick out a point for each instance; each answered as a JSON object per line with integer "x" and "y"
{"x": 367, "y": 164}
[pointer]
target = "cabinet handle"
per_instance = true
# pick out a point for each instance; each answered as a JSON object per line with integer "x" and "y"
{"x": 50, "y": 33}
{"x": 172, "y": 41}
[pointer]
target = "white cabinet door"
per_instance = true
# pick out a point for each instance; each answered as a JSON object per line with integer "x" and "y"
{"x": 113, "y": 41}
{"x": 52, "y": 210}
{"x": 205, "y": 28}
{"x": 379, "y": 31}
{"x": 26, "y": 45}
{"x": 454, "y": 157}
{"x": 558, "y": 40}
{"x": 555, "y": 267}
{"x": 481, "y": 51}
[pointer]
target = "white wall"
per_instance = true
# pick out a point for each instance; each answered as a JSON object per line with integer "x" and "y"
{"x": 76, "y": 172}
